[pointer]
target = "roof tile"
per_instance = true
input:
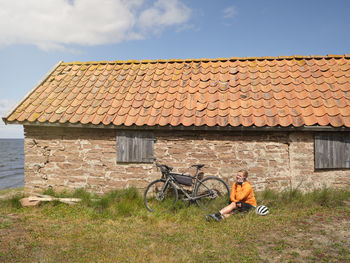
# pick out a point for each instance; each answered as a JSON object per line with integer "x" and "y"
{"x": 310, "y": 120}
{"x": 119, "y": 120}
{"x": 247, "y": 120}
{"x": 259, "y": 121}
{"x": 297, "y": 121}
{"x": 285, "y": 121}
{"x": 272, "y": 120}
{"x": 346, "y": 121}
{"x": 64, "y": 118}
{"x": 266, "y": 91}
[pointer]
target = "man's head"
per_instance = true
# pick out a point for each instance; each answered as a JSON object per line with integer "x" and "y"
{"x": 241, "y": 176}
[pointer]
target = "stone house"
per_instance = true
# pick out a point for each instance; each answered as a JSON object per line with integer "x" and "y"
{"x": 99, "y": 125}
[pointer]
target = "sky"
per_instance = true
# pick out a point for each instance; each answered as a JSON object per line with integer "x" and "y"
{"x": 37, "y": 34}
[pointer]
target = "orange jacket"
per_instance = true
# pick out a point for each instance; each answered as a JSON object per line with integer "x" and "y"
{"x": 243, "y": 193}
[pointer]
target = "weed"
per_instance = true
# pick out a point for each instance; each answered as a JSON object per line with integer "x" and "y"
{"x": 291, "y": 197}
{"x": 13, "y": 202}
{"x": 102, "y": 204}
{"x": 323, "y": 232}
{"x": 50, "y": 191}
{"x": 85, "y": 196}
{"x": 125, "y": 208}
{"x": 294, "y": 254}
{"x": 125, "y": 194}
{"x": 295, "y": 198}
{"x": 329, "y": 197}
{"x": 268, "y": 197}
{"x": 5, "y": 224}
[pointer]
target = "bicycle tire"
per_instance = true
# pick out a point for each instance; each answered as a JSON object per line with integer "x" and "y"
{"x": 155, "y": 201}
{"x": 215, "y": 194}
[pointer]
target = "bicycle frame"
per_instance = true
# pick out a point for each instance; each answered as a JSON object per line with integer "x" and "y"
{"x": 192, "y": 197}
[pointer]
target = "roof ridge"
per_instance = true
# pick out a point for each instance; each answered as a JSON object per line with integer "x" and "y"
{"x": 146, "y": 61}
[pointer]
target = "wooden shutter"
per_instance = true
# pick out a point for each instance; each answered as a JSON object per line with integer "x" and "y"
{"x": 135, "y": 146}
{"x": 332, "y": 151}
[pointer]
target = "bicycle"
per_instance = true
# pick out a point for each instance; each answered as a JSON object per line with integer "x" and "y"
{"x": 210, "y": 193}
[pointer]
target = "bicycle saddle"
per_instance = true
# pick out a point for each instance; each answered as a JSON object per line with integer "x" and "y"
{"x": 199, "y": 166}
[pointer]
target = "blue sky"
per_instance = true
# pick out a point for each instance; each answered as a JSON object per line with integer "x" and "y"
{"x": 36, "y": 34}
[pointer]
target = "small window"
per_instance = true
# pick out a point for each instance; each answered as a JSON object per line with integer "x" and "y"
{"x": 135, "y": 146}
{"x": 332, "y": 151}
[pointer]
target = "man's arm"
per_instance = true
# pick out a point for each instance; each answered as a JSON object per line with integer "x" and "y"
{"x": 233, "y": 193}
{"x": 243, "y": 191}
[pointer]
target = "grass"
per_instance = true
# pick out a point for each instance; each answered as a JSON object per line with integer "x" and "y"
{"x": 11, "y": 190}
{"x": 117, "y": 228}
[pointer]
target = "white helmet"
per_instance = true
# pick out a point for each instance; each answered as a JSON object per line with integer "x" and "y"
{"x": 262, "y": 210}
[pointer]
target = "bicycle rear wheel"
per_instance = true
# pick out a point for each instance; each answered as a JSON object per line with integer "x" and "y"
{"x": 159, "y": 197}
{"x": 213, "y": 194}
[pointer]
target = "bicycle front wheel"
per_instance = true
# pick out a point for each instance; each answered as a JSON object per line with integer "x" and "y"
{"x": 160, "y": 196}
{"x": 212, "y": 194}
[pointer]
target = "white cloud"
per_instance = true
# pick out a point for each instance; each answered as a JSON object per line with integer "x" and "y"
{"x": 230, "y": 12}
{"x": 187, "y": 27}
{"x": 54, "y": 24}
{"x": 164, "y": 13}
{"x": 8, "y": 131}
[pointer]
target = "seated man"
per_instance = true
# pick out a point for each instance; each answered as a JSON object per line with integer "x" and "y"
{"x": 242, "y": 198}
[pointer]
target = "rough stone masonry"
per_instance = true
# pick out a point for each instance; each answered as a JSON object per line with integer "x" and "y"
{"x": 69, "y": 158}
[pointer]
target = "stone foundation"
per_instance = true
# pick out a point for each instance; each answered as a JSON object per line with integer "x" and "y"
{"x": 70, "y": 158}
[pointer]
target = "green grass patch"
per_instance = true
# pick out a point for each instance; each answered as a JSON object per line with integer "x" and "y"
{"x": 5, "y": 224}
{"x": 294, "y": 198}
{"x": 13, "y": 201}
{"x": 11, "y": 190}
{"x": 116, "y": 227}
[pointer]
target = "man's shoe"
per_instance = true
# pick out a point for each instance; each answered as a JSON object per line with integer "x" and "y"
{"x": 218, "y": 217}
{"x": 208, "y": 218}
{"x": 213, "y": 217}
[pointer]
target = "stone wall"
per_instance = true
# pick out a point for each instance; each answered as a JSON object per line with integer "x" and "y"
{"x": 69, "y": 158}
{"x": 265, "y": 156}
{"x": 301, "y": 152}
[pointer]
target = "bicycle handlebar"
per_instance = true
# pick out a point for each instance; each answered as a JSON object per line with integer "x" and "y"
{"x": 165, "y": 167}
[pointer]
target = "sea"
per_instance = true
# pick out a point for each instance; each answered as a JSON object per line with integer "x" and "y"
{"x": 11, "y": 163}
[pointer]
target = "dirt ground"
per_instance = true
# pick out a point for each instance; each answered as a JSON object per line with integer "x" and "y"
{"x": 319, "y": 238}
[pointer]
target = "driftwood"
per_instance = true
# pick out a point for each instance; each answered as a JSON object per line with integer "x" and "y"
{"x": 35, "y": 200}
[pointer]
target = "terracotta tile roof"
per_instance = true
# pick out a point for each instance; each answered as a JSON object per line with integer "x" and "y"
{"x": 264, "y": 91}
